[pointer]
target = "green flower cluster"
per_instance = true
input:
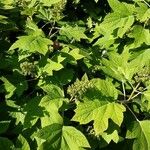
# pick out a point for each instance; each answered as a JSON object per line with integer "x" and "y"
{"x": 28, "y": 68}
{"x": 58, "y": 9}
{"x": 79, "y": 87}
{"x": 143, "y": 75}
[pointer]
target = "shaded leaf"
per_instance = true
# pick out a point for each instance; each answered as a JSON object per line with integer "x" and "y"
{"x": 10, "y": 88}
{"x": 140, "y": 132}
{"x": 61, "y": 137}
{"x": 22, "y": 144}
{"x": 4, "y": 126}
{"x": 6, "y": 144}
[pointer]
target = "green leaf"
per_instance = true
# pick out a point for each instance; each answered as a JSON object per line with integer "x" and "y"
{"x": 76, "y": 1}
{"x": 146, "y": 98}
{"x": 44, "y": 14}
{"x": 53, "y": 91}
{"x": 32, "y": 28}
{"x": 61, "y": 137}
{"x": 127, "y": 23}
{"x": 77, "y": 33}
{"x": 122, "y": 19}
{"x": 52, "y": 111}
{"x": 32, "y": 44}
{"x": 121, "y": 8}
{"x": 143, "y": 12}
{"x": 140, "y": 132}
{"x": 19, "y": 116}
{"x": 72, "y": 56}
{"x": 106, "y": 87}
{"x": 118, "y": 66}
{"x": 21, "y": 143}
{"x": 106, "y": 41}
{"x": 51, "y": 103}
{"x": 3, "y": 19}
{"x": 115, "y": 21}
{"x": 76, "y": 54}
{"x": 52, "y": 66}
{"x": 140, "y": 36}
{"x": 141, "y": 60}
{"x": 19, "y": 81}
{"x": 99, "y": 111}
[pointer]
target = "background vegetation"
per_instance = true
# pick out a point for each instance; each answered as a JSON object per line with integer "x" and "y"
{"x": 75, "y": 74}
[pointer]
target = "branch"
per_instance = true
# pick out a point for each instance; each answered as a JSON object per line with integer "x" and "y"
{"x": 51, "y": 28}
{"x": 134, "y": 90}
{"x": 131, "y": 112}
{"x": 124, "y": 92}
{"x": 53, "y": 34}
{"x": 45, "y": 25}
{"x": 136, "y": 95}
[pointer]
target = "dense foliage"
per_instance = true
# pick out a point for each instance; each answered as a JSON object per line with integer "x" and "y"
{"x": 75, "y": 74}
